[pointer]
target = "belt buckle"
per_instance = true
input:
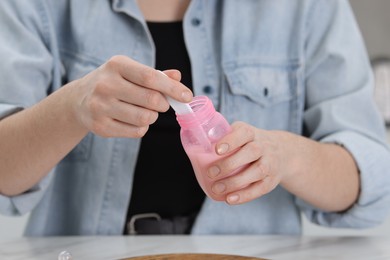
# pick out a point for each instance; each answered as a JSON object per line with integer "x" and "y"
{"x": 134, "y": 218}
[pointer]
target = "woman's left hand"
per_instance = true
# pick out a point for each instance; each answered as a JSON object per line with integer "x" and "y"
{"x": 262, "y": 156}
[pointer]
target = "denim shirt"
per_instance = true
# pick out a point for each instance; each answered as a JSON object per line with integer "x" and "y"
{"x": 293, "y": 65}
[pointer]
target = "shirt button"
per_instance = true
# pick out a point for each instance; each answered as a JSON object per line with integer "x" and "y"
{"x": 195, "y": 21}
{"x": 208, "y": 89}
{"x": 266, "y": 92}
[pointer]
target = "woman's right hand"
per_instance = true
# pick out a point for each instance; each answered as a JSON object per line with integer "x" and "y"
{"x": 122, "y": 97}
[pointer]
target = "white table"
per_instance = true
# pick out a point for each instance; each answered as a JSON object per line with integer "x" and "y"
{"x": 271, "y": 247}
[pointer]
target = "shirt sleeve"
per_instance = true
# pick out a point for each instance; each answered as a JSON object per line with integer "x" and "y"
{"x": 25, "y": 202}
{"x": 340, "y": 109}
{"x": 26, "y": 75}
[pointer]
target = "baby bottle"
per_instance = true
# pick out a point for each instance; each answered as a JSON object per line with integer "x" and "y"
{"x": 200, "y": 131}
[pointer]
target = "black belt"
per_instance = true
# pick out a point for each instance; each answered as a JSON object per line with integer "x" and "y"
{"x": 152, "y": 223}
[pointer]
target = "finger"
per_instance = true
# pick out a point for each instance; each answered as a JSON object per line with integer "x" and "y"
{"x": 113, "y": 128}
{"x": 247, "y": 154}
{"x": 148, "y": 77}
{"x": 241, "y": 134}
{"x": 140, "y": 96}
{"x": 133, "y": 115}
{"x": 173, "y": 74}
{"x": 252, "y": 173}
{"x": 253, "y": 191}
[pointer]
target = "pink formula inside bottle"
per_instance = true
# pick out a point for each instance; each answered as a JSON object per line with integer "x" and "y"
{"x": 201, "y": 129}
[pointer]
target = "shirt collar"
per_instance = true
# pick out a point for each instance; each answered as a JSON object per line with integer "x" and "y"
{"x": 129, "y": 7}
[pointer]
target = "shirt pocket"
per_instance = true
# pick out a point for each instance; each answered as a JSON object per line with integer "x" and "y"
{"x": 264, "y": 95}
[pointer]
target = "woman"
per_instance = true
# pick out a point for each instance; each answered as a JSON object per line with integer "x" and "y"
{"x": 292, "y": 77}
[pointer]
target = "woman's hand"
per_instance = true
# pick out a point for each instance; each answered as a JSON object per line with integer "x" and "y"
{"x": 260, "y": 154}
{"x": 123, "y": 97}
{"x": 322, "y": 174}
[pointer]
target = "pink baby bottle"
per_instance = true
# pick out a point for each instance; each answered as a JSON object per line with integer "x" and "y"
{"x": 201, "y": 128}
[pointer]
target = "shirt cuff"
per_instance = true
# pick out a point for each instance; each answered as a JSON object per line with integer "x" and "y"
{"x": 8, "y": 109}
{"x": 25, "y": 202}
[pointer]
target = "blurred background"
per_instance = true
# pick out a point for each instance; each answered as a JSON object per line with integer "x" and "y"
{"x": 373, "y": 17}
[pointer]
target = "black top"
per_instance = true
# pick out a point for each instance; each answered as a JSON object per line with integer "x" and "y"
{"x": 164, "y": 181}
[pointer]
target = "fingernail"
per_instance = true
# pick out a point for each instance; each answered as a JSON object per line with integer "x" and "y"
{"x": 219, "y": 188}
{"x": 213, "y": 172}
{"x": 187, "y": 96}
{"x": 222, "y": 148}
{"x": 233, "y": 198}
